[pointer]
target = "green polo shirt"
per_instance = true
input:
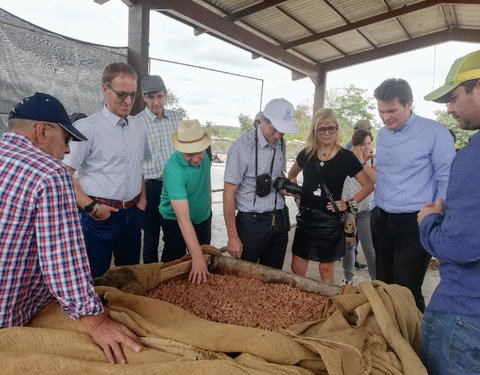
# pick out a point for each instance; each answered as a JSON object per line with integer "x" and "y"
{"x": 183, "y": 181}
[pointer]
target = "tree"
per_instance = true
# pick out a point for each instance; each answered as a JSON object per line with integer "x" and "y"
{"x": 303, "y": 119}
{"x": 462, "y": 136}
{"x": 246, "y": 123}
{"x": 173, "y": 103}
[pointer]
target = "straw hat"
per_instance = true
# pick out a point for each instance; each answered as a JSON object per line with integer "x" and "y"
{"x": 190, "y": 137}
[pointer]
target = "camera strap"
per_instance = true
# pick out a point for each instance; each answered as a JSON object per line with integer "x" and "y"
{"x": 256, "y": 167}
{"x": 326, "y": 189}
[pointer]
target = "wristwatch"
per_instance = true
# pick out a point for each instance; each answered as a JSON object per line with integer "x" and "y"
{"x": 89, "y": 207}
{"x": 354, "y": 205}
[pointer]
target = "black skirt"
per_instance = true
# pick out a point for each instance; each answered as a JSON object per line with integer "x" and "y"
{"x": 319, "y": 236}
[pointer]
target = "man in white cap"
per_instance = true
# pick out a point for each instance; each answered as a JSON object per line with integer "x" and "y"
{"x": 449, "y": 232}
{"x": 186, "y": 198}
{"x": 42, "y": 251}
{"x": 259, "y": 232}
{"x": 160, "y": 123}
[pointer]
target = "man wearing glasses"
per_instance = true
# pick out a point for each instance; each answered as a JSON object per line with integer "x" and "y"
{"x": 414, "y": 155}
{"x": 259, "y": 232}
{"x": 108, "y": 179}
{"x": 160, "y": 124}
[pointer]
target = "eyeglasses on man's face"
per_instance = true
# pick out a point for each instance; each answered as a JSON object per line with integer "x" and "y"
{"x": 122, "y": 95}
{"x": 330, "y": 129}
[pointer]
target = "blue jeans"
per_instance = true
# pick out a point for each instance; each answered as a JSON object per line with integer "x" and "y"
{"x": 365, "y": 235}
{"x": 450, "y": 344}
{"x": 153, "y": 221}
{"x": 120, "y": 234}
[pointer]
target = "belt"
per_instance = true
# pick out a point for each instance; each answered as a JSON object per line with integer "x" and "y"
{"x": 154, "y": 180}
{"x": 116, "y": 204}
{"x": 268, "y": 213}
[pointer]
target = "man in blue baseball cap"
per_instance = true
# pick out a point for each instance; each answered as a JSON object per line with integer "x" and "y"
{"x": 42, "y": 250}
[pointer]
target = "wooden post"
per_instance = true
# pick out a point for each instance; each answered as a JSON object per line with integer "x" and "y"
{"x": 138, "y": 46}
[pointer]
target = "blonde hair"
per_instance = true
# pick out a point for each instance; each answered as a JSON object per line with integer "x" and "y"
{"x": 320, "y": 117}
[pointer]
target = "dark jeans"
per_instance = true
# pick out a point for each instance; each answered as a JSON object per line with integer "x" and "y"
{"x": 175, "y": 246}
{"x": 120, "y": 234}
{"x": 153, "y": 221}
{"x": 260, "y": 245}
{"x": 400, "y": 257}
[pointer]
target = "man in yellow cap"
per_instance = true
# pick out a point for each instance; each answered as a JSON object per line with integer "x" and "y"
{"x": 451, "y": 324}
{"x": 185, "y": 204}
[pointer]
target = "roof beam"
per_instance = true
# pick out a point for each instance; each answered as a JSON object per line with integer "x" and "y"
{"x": 452, "y": 34}
{"x": 223, "y": 28}
{"x": 265, "y": 4}
{"x": 379, "y": 17}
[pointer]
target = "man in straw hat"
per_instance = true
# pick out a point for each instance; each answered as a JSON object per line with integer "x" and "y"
{"x": 259, "y": 232}
{"x": 449, "y": 232}
{"x": 185, "y": 204}
{"x": 414, "y": 155}
{"x": 42, "y": 251}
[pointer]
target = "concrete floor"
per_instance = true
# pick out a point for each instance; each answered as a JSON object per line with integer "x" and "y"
{"x": 219, "y": 240}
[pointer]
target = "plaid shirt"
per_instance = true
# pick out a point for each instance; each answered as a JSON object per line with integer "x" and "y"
{"x": 159, "y": 131}
{"x": 42, "y": 251}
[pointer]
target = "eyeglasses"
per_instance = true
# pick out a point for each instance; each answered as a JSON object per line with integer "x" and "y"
{"x": 123, "y": 95}
{"x": 330, "y": 129}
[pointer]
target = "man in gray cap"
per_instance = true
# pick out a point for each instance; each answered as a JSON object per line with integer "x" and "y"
{"x": 363, "y": 124}
{"x": 42, "y": 249}
{"x": 160, "y": 124}
{"x": 451, "y": 323}
{"x": 257, "y": 120}
{"x": 259, "y": 232}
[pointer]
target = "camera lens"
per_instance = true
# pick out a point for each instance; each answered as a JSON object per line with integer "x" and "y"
{"x": 284, "y": 183}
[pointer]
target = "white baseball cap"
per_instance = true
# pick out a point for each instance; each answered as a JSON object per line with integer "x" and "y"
{"x": 280, "y": 113}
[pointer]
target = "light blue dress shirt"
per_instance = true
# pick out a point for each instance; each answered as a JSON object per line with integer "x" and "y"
{"x": 413, "y": 165}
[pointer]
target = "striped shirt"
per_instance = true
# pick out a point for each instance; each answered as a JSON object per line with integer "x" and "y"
{"x": 240, "y": 170}
{"x": 159, "y": 131}
{"x": 42, "y": 251}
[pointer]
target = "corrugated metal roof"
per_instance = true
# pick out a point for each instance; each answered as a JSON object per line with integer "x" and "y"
{"x": 308, "y": 36}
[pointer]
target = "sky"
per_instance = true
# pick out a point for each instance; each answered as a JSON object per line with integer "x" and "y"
{"x": 218, "y": 97}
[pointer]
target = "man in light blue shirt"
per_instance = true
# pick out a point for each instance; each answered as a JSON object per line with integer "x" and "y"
{"x": 414, "y": 155}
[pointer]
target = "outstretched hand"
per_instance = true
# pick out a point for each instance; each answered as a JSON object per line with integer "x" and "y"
{"x": 108, "y": 335}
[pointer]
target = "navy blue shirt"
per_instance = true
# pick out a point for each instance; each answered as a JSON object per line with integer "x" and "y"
{"x": 454, "y": 238}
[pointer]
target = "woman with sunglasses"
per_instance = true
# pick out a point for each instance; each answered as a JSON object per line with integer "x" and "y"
{"x": 319, "y": 234}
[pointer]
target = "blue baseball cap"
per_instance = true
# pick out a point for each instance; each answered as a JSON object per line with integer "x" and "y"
{"x": 44, "y": 107}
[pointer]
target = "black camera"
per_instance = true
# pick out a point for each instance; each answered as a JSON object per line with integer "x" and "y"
{"x": 284, "y": 183}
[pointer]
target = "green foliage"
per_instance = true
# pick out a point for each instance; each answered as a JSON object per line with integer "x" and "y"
{"x": 224, "y": 131}
{"x": 462, "y": 136}
{"x": 246, "y": 123}
{"x": 173, "y": 103}
{"x": 350, "y": 105}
